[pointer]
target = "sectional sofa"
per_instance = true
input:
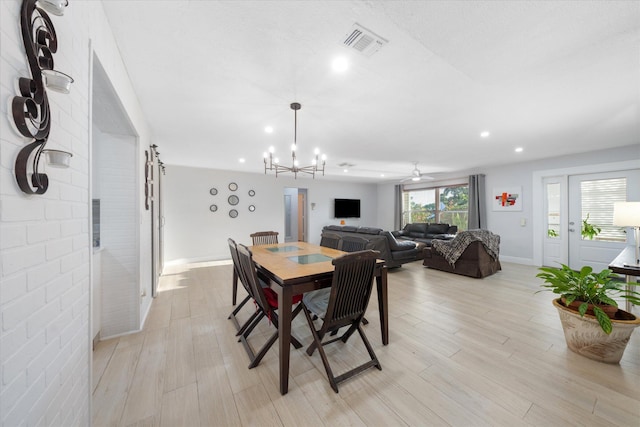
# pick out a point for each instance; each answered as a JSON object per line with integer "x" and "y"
{"x": 395, "y": 252}
{"x": 425, "y": 233}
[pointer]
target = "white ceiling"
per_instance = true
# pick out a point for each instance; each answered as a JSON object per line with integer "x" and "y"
{"x": 552, "y": 77}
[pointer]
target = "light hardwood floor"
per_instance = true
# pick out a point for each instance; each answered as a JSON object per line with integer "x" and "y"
{"x": 462, "y": 352}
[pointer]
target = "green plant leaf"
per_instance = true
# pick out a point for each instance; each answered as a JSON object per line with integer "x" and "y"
{"x": 583, "y": 308}
{"x": 603, "y": 320}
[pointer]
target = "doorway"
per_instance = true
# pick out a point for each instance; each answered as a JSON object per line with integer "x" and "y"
{"x": 115, "y": 260}
{"x": 295, "y": 214}
{"x": 577, "y": 223}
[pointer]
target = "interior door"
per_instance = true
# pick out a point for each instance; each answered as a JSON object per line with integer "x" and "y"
{"x": 556, "y": 236}
{"x": 290, "y": 214}
{"x": 591, "y": 199}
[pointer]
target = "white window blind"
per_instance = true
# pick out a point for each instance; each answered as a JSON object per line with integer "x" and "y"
{"x": 598, "y": 197}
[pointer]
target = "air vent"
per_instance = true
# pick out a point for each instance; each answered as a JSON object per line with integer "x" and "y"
{"x": 363, "y": 40}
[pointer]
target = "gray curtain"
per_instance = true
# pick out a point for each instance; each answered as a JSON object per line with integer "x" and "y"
{"x": 397, "y": 217}
{"x": 477, "y": 203}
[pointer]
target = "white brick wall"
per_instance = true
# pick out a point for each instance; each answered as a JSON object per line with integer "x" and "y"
{"x": 45, "y": 339}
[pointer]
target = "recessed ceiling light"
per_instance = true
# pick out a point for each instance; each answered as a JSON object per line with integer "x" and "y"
{"x": 241, "y": 160}
{"x": 345, "y": 170}
{"x": 340, "y": 64}
{"x": 268, "y": 129}
{"x": 381, "y": 175}
{"x": 519, "y": 150}
{"x": 485, "y": 134}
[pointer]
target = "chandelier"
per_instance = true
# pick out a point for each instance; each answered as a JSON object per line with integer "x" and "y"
{"x": 273, "y": 163}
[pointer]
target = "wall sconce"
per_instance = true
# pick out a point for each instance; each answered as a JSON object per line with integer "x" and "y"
{"x": 30, "y": 109}
{"x": 58, "y": 158}
{"x": 55, "y": 7}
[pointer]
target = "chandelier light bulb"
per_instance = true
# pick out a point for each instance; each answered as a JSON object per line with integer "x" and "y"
{"x": 314, "y": 162}
{"x": 316, "y": 151}
{"x": 293, "y": 147}
{"x": 272, "y": 150}
{"x": 324, "y": 157}
{"x": 276, "y": 160}
{"x": 265, "y": 155}
{"x": 296, "y": 163}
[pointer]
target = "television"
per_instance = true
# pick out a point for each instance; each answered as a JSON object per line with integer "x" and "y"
{"x": 346, "y": 208}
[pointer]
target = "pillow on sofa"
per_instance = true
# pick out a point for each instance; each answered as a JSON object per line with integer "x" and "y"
{"x": 333, "y": 227}
{"x": 437, "y": 228}
{"x": 350, "y": 228}
{"x": 394, "y": 245}
{"x": 416, "y": 227}
{"x": 369, "y": 230}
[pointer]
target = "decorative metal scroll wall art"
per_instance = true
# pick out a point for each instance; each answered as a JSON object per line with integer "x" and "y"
{"x": 30, "y": 110}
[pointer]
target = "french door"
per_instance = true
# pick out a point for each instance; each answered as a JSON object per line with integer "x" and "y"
{"x": 593, "y": 239}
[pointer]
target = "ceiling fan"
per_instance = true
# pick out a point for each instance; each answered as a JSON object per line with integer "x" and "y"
{"x": 416, "y": 175}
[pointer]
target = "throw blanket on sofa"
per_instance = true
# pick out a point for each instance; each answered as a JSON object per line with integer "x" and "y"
{"x": 452, "y": 249}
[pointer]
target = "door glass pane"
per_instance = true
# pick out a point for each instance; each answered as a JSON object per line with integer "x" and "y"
{"x": 597, "y": 199}
{"x": 553, "y": 210}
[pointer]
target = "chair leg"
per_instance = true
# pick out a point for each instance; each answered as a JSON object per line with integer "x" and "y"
{"x": 247, "y": 323}
{"x": 233, "y": 314}
{"x": 317, "y": 342}
{"x": 234, "y": 285}
{"x": 258, "y": 357}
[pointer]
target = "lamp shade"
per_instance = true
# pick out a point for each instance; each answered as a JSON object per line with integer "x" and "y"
{"x": 626, "y": 214}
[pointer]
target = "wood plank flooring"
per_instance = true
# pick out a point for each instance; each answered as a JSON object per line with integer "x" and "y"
{"x": 462, "y": 352}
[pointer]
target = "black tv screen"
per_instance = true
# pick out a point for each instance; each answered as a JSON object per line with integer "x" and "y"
{"x": 347, "y": 208}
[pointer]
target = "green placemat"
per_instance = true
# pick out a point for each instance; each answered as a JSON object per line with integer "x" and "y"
{"x": 310, "y": 259}
{"x": 284, "y": 249}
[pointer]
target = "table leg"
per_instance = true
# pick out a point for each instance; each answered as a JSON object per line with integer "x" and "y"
{"x": 383, "y": 304}
{"x": 284, "y": 335}
{"x": 235, "y": 286}
{"x": 629, "y": 279}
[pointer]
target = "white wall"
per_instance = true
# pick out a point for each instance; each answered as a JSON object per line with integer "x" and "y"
{"x": 194, "y": 233}
{"x": 45, "y": 242}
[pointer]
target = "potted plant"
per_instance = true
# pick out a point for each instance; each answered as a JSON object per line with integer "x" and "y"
{"x": 589, "y": 231}
{"x": 593, "y": 324}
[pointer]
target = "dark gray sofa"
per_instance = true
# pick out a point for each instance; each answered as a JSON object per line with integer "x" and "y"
{"x": 393, "y": 251}
{"x": 424, "y": 232}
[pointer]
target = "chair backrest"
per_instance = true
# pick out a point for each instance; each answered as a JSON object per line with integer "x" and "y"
{"x": 264, "y": 237}
{"x": 352, "y": 244}
{"x": 330, "y": 240}
{"x": 351, "y": 287}
{"x": 248, "y": 267}
{"x": 233, "y": 249}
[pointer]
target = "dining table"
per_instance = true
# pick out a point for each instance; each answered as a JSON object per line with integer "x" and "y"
{"x": 298, "y": 267}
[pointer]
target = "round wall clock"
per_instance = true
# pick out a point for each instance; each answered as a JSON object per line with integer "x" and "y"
{"x": 233, "y": 213}
{"x": 233, "y": 200}
{"x": 252, "y": 208}
{"x": 213, "y": 208}
{"x": 233, "y": 186}
{"x": 252, "y": 193}
{"x": 213, "y": 191}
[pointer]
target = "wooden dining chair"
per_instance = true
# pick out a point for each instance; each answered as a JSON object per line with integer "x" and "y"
{"x": 264, "y": 237}
{"x": 238, "y": 276}
{"x": 266, "y": 301}
{"x": 342, "y": 305}
{"x": 353, "y": 244}
{"x": 330, "y": 240}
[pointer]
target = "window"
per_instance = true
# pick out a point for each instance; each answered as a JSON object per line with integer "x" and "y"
{"x": 597, "y": 198}
{"x": 419, "y": 205}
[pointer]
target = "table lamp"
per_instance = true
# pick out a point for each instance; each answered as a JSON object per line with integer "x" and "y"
{"x": 627, "y": 214}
